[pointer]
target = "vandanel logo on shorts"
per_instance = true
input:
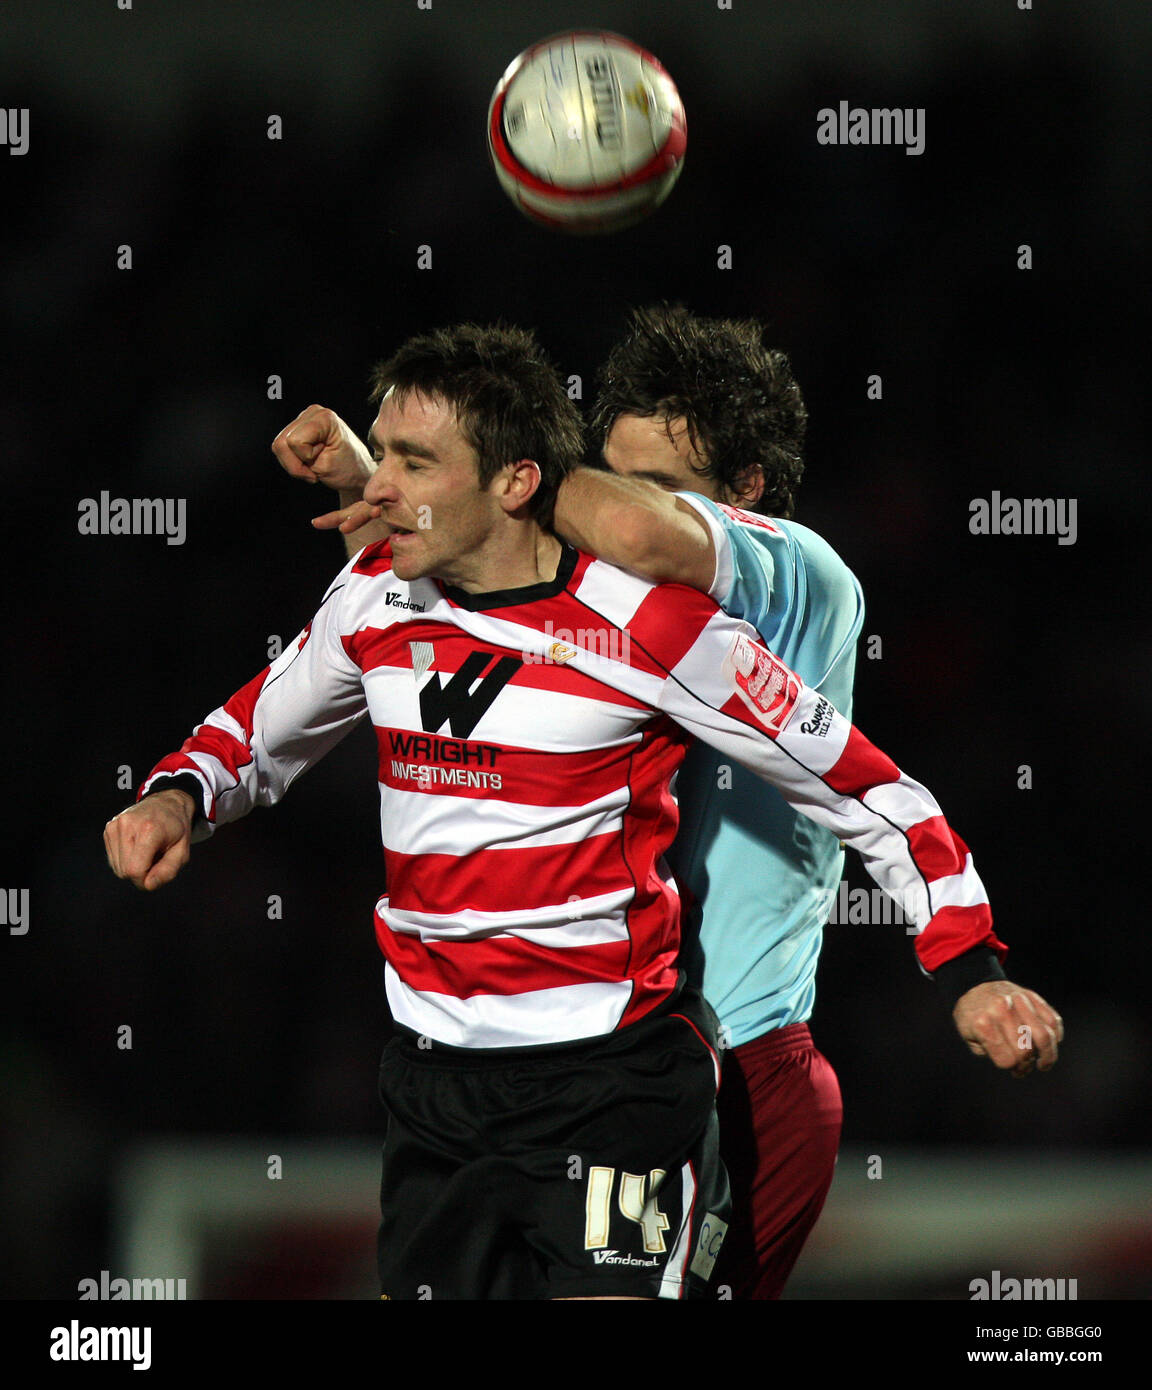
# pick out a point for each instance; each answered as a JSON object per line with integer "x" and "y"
{"x": 614, "y": 1257}
{"x": 765, "y": 685}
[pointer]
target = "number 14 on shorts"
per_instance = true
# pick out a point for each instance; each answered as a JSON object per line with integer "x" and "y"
{"x": 636, "y": 1201}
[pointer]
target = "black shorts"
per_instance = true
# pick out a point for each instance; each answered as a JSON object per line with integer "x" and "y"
{"x": 581, "y": 1170}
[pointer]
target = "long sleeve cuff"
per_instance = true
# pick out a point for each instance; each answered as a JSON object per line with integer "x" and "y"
{"x": 958, "y": 976}
{"x": 181, "y": 782}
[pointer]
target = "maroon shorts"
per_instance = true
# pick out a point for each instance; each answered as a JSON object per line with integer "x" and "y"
{"x": 780, "y": 1114}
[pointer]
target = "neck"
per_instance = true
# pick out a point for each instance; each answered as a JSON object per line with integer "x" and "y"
{"x": 526, "y": 555}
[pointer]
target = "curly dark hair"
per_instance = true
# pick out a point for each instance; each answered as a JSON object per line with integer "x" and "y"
{"x": 739, "y": 399}
{"x": 509, "y": 401}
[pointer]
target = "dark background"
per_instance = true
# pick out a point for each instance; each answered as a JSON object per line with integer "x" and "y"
{"x": 296, "y": 258}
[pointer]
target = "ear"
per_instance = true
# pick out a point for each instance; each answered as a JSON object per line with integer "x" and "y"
{"x": 750, "y": 488}
{"x": 517, "y": 484}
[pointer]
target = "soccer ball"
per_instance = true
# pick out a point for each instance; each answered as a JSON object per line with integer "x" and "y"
{"x": 586, "y": 132}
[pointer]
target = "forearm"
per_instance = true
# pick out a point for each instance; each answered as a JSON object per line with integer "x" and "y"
{"x": 635, "y": 525}
{"x": 247, "y": 752}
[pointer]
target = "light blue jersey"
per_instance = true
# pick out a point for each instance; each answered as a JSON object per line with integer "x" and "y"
{"x": 762, "y": 876}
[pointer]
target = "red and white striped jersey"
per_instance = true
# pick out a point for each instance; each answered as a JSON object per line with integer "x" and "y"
{"x": 527, "y": 741}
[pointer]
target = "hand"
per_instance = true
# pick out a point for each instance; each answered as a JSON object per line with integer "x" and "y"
{"x": 347, "y": 519}
{"x": 320, "y": 448}
{"x": 1011, "y": 1026}
{"x": 150, "y": 842}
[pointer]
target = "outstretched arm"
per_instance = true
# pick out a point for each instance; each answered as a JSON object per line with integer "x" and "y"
{"x": 636, "y": 525}
{"x": 732, "y": 692}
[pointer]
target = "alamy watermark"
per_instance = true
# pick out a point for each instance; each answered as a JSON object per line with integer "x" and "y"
{"x": 871, "y": 125}
{"x": 14, "y": 910}
{"x": 869, "y": 907}
{"x": 108, "y": 1289}
{"x": 1009, "y": 1290}
{"x": 133, "y": 516}
{"x": 14, "y": 128}
{"x": 601, "y": 643}
{"x": 1029, "y": 516}
{"x": 76, "y": 1343}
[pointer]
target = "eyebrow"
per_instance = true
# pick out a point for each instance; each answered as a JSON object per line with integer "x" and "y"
{"x": 407, "y": 447}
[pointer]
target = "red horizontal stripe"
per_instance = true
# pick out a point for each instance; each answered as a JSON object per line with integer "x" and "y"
{"x": 242, "y": 705}
{"x": 500, "y": 965}
{"x": 860, "y": 767}
{"x": 388, "y": 646}
{"x": 507, "y": 880}
{"x": 527, "y": 775}
{"x": 218, "y": 744}
{"x": 937, "y": 850}
{"x": 651, "y": 987}
{"x": 669, "y": 621}
{"x": 954, "y": 930}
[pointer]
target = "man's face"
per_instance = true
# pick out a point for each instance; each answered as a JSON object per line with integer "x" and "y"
{"x": 428, "y": 486}
{"x": 661, "y": 451}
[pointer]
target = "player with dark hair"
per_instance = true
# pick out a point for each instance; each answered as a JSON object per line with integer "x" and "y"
{"x": 550, "y": 1086}
{"x": 735, "y": 400}
{"x": 697, "y": 406}
{"x": 508, "y": 401}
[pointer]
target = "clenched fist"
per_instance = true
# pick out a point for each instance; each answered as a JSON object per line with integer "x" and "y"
{"x": 1011, "y": 1026}
{"x": 150, "y": 842}
{"x": 320, "y": 448}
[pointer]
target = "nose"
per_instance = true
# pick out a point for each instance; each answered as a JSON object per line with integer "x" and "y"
{"x": 380, "y": 489}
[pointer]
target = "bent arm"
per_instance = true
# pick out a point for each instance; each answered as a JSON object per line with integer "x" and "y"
{"x": 636, "y": 525}
{"x": 250, "y": 750}
{"x": 318, "y": 447}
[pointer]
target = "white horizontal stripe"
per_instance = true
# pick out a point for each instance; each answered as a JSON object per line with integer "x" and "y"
{"x": 906, "y": 803}
{"x": 574, "y": 722}
{"x": 509, "y": 1020}
{"x": 419, "y": 822}
{"x": 958, "y": 890}
{"x": 221, "y": 719}
{"x": 612, "y": 592}
{"x": 597, "y": 920}
{"x": 820, "y": 754}
{"x": 640, "y": 685}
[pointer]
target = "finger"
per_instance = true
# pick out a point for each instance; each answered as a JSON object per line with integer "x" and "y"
{"x": 1047, "y": 1029}
{"x": 298, "y": 444}
{"x": 167, "y": 867}
{"x": 347, "y": 519}
{"x": 993, "y": 1029}
{"x": 360, "y": 514}
{"x": 292, "y": 464}
{"x": 121, "y": 841}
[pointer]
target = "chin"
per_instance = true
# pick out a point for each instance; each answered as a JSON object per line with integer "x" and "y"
{"x": 409, "y": 567}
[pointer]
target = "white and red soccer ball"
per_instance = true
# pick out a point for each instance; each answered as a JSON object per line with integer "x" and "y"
{"x": 586, "y": 132}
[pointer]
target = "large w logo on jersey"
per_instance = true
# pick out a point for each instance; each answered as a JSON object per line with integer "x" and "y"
{"x": 457, "y": 703}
